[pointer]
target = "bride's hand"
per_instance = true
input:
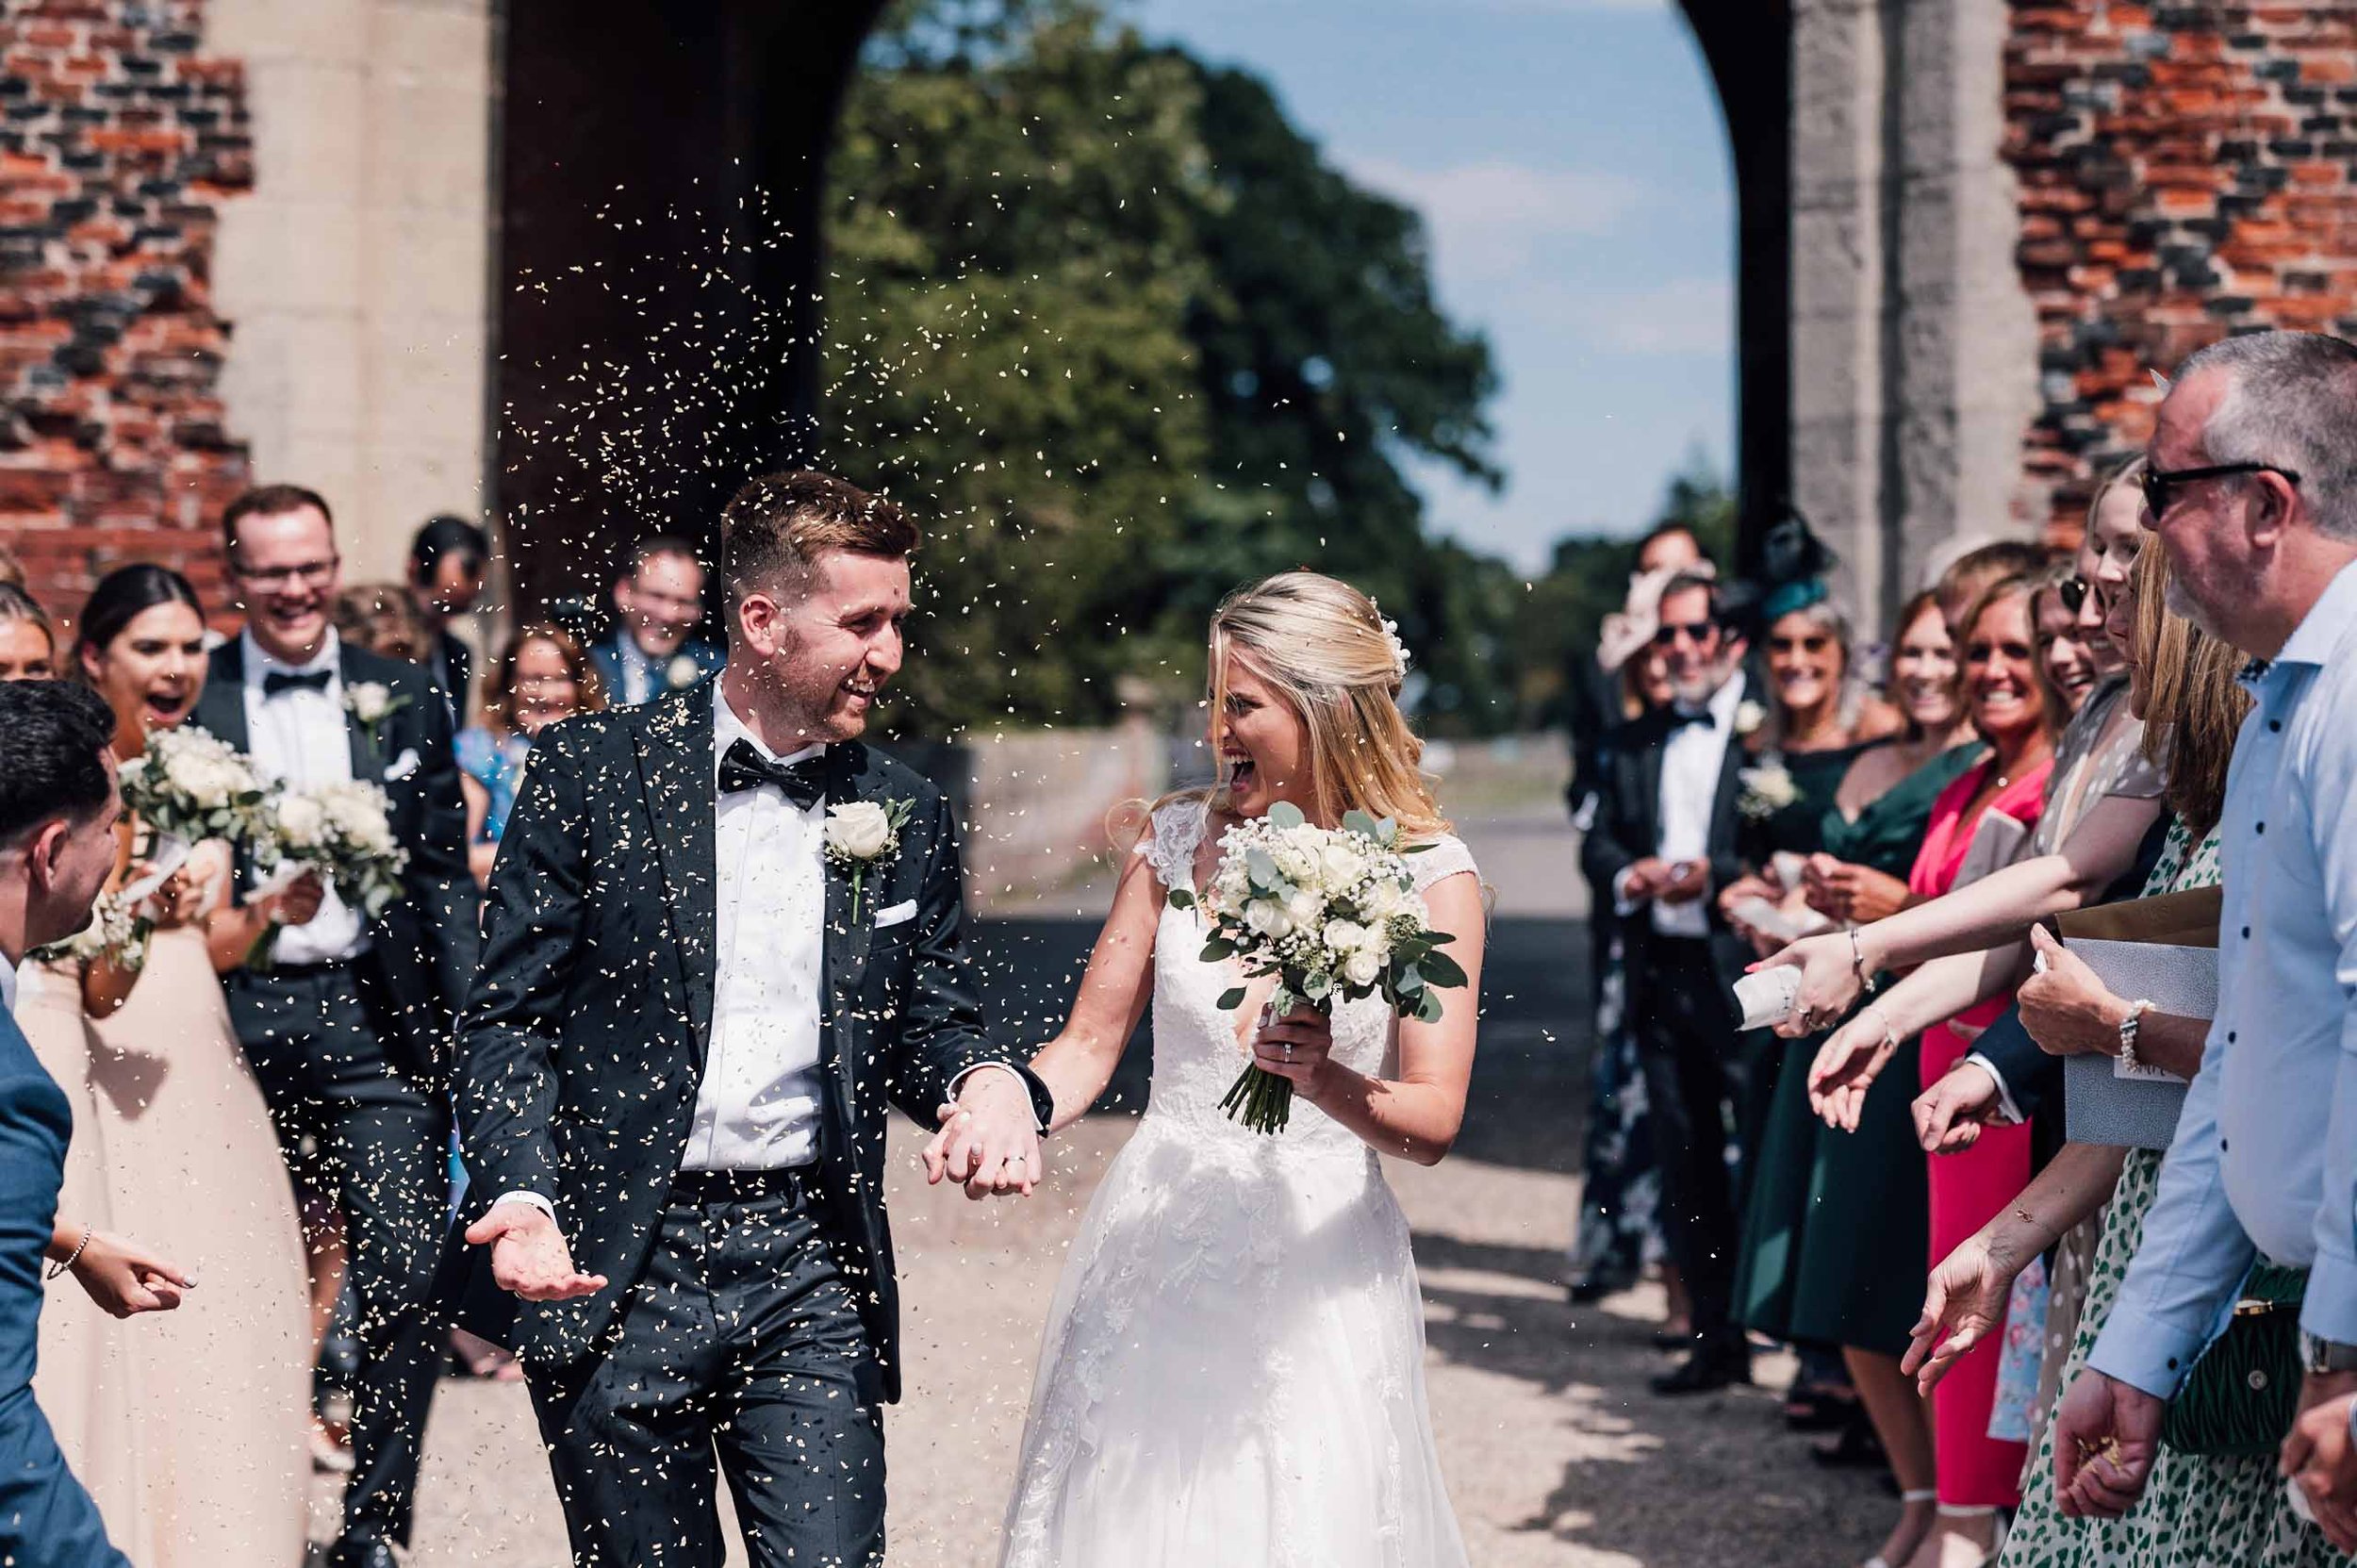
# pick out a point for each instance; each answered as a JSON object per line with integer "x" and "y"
{"x": 1298, "y": 1046}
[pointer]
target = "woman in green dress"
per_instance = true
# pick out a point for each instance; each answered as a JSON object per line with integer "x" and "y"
{"x": 1803, "y": 1275}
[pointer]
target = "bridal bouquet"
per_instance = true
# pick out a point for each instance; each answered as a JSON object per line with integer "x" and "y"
{"x": 116, "y": 932}
{"x": 1333, "y": 913}
{"x": 344, "y": 833}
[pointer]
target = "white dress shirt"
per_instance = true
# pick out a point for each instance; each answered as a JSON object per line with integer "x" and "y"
{"x": 2264, "y": 1159}
{"x": 1691, "y": 760}
{"x": 758, "y": 1105}
{"x": 304, "y": 738}
{"x": 640, "y": 683}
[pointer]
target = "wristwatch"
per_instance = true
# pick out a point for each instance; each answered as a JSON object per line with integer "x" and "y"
{"x": 2129, "y": 1028}
{"x": 2322, "y": 1357}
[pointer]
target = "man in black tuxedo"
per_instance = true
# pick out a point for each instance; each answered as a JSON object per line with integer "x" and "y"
{"x": 447, "y": 560}
{"x": 349, "y": 1029}
{"x": 706, "y": 976}
{"x": 1663, "y": 843}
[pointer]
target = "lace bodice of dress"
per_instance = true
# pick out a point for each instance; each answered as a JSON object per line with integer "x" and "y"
{"x": 1197, "y": 1050}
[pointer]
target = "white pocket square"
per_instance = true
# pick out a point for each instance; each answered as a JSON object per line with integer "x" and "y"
{"x": 403, "y": 765}
{"x": 899, "y": 914}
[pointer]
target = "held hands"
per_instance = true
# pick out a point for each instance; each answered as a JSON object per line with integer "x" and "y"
{"x": 2320, "y": 1459}
{"x": 1829, "y": 983}
{"x": 125, "y": 1280}
{"x": 180, "y": 899}
{"x": 1964, "y": 1301}
{"x": 989, "y": 1139}
{"x": 2066, "y": 1009}
{"x": 2106, "y": 1434}
{"x": 529, "y": 1255}
{"x": 1949, "y": 1115}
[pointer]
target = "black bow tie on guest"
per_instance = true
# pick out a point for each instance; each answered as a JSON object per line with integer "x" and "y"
{"x": 743, "y": 767}
{"x": 276, "y": 681}
{"x": 1678, "y": 717}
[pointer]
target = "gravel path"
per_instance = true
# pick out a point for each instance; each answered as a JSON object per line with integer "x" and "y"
{"x": 1554, "y": 1452}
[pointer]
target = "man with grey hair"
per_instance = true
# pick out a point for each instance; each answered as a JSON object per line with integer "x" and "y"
{"x": 2252, "y": 488}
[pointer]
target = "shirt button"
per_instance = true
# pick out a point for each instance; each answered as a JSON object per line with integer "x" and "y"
{"x": 2245, "y": 933}
{"x": 2274, "y": 724}
{"x": 2230, "y": 1036}
{"x": 2221, "y": 1146}
{"x": 2172, "y": 1363}
{"x": 2263, "y": 828}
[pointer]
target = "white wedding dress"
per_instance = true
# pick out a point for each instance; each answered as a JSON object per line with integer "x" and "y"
{"x": 1233, "y": 1369}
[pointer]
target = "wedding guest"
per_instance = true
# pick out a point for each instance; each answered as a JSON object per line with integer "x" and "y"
{"x": 58, "y": 807}
{"x": 447, "y": 562}
{"x": 28, "y": 645}
{"x": 2227, "y": 1510}
{"x": 2252, "y": 492}
{"x": 381, "y": 617}
{"x": 658, "y": 603}
{"x": 188, "y": 1150}
{"x": 1663, "y": 841}
{"x": 12, "y": 569}
{"x": 348, "y": 1030}
{"x": 1618, "y": 1235}
{"x": 543, "y": 675}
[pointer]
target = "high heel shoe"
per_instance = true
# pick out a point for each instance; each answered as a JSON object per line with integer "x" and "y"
{"x": 1929, "y": 1495}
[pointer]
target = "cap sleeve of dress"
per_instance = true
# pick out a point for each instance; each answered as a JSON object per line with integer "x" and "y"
{"x": 1171, "y": 839}
{"x": 1445, "y": 858}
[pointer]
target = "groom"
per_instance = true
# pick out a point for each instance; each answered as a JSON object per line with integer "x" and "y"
{"x": 701, "y": 985}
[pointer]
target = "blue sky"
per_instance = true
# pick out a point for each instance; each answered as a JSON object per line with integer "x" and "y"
{"x": 1571, "y": 166}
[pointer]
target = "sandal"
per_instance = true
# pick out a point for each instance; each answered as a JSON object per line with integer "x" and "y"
{"x": 1929, "y": 1495}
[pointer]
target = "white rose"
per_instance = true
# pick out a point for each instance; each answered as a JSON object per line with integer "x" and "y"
{"x": 1346, "y": 936}
{"x": 858, "y": 830}
{"x": 1384, "y": 900}
{"x": 1267, "y": 917}
{"x": 1343, "y": 864}
{"x": 195, "y": 776}
{"x": 370, "y": 701}
{"x": 1295, "y": 862}
{"x": 1304, "y": 906}
{"x": 301, "y": 821}
{"x": 685, "y": 671}
{"x": 1363, "y": 967}
{"x": 1749, "y": 716}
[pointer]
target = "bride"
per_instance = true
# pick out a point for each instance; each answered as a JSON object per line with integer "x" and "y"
{"x": 1233, "y": 1369}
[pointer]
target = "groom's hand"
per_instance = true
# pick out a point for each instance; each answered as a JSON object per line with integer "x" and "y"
{"x": 988, "y": 1140}
{"x": 529, "y": 1255}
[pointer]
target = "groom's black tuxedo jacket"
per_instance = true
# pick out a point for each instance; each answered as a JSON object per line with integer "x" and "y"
{"x": 584, "y": 1039}
{"x": 421, "y": 952}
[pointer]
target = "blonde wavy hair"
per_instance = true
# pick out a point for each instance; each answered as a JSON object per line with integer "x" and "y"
{"x": 1321, "y": 645}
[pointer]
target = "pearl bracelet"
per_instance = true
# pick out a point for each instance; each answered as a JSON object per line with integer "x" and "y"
{"x": 56, "y": 1270}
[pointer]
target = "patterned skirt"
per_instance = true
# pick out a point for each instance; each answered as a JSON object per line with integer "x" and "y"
{"x": 2197, "y": 1512}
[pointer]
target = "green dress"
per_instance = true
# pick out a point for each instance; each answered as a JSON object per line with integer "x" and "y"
{"x": 1836, "y": 1227}
{"x": 2196, "y": 1511}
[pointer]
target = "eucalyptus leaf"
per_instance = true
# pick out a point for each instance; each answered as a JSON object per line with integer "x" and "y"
{"x": 1218, "y": 949}
{"x": 1428, "y": 1008}
{"x": 1287, "y": 816}
{"x": 1440, "y": 969}
{"x": 1262, "y": 869}
{"x": 1181, "y": 899}
{"x": 1362, "y": 824}
{"x": 1230, "y": 1000}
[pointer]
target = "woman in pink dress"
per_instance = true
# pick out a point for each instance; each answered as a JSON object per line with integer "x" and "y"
{"x": 1981, "y": 822}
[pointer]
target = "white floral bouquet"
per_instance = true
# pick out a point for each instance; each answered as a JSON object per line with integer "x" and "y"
{"x": 116, "y": 932}
{"x": 192, "y": 785}
{"x": 1334, "y": 915}
{"x": 341, "y": 831}
{"x": 1769, "y": 787}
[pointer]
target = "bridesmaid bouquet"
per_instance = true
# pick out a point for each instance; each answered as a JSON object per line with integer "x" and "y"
{"x": 344, "y": 833}
{"x": 190, "y": 785}
{"x": 1333, "y": 913}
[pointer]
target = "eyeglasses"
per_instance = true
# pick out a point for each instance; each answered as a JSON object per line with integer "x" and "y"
{"x": 2073, "y": 591}
{"x": 2158, "y": 483}
{"x": 316, "y": 574}
{"x": 1695, "y": 632}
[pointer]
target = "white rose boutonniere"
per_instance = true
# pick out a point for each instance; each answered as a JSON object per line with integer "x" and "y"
{"x": 860, "y": 834}
{"x": 371, "y": 703}
{"x": 682, "y": 671}
{"x": 1767, "y": 789}
{"x": 1749, "y": 716}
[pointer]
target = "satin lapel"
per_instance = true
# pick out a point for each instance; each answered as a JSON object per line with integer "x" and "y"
{"x": 1649, "y": 759}
{"x": 221, "y": 707}
{"x": 1723, "y": 805}
{"x": 366, "y": 763}
{"x": 848, "y": 933}
{"x": 675, "y": 772}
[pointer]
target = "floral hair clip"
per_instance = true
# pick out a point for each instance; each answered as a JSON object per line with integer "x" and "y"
{"x": 1390, "y": 634}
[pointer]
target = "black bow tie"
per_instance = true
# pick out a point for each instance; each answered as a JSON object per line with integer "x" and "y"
{"x": 743, "y": 767}
{"x": 1678, "y": 717}
{"x": 277, "y": 681}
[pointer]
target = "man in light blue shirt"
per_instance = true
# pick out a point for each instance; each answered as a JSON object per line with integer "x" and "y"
{"x": 2252, "y": 489}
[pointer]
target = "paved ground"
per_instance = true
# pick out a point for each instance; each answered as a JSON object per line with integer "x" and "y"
{"x": 1555, "y": 1454}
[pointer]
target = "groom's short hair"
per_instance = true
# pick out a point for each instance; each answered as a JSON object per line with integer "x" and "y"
{"x": 55, "y": 735}
{"x": 782, "y": 520}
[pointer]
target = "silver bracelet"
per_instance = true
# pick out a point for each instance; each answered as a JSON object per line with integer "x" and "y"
{"x": 56, "y": 1270}
{"x": 1858, "y": 964}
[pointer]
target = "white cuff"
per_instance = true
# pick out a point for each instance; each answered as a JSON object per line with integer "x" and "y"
{"x": 2010, "y": 1112}
{"x": 521, "y": 1197}
{"x": 1621, "y": 904}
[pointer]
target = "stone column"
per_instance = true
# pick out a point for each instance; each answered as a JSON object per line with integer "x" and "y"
{"x": 357, "y": 274}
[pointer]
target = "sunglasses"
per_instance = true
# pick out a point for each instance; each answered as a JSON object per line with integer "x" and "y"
{"x": 2159, "y": 484}
{"x": 2073, "y": 591}
{"x": 1695, "y": 632}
